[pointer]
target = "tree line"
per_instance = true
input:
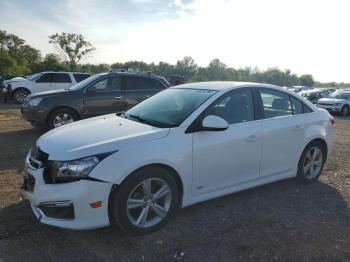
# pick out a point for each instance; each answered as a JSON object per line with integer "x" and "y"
{"x": 19, "y": 58}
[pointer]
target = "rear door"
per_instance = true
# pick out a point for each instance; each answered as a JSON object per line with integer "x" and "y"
{"x": 44, "y": 83}
{"x": 138, "y": 88}
{"x": 283, "y": 132}
{"x": 104, "y": 96}
{"x": 62, "y": 80}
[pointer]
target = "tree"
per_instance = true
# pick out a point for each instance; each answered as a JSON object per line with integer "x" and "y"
{"x": 71, "y": 47}
{"x": 186, "y": 67}
{"x": 307, "y": 80}
{"x": 17, "y": 58}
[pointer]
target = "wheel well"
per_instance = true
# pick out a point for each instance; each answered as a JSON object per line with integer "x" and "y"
{"x": 322, "y": 142}
{"x": 168, "y": 169}
{"x": 21, "y": 88}
{"x": 63, "y": 107}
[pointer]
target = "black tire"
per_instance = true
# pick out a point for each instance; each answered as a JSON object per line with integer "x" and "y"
{"x": 345, "y": 110}
{"x": 20, "y": 95}
{"x": 306, "y": 177}
{"x": 71, "y": 114}
{"x": 120, "y": 214}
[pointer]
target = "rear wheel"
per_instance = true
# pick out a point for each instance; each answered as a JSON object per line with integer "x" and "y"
{"x": 20, "y": 95}
{"x": 61, "y": 117}
{"x": 345, "y": 110}
{"x": 145, "y": 201}
{"x": 311, "y": 162}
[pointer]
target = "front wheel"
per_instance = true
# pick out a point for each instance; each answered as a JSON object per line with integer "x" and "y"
{"x": 20, "y": 95}
{"x": 61, "y": 117}
{"x": 145, "y": 201}
{"x": 311, "y": 162}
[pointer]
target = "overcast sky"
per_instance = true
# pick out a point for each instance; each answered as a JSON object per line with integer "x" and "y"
{"x": 306, "y": 36}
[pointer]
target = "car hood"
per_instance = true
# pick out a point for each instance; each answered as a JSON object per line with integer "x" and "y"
{"x": 51, "y": 93}
{"x": 331, "y": 100}
{"x": 16, "y": 79}
{"x": 96, "y": 136}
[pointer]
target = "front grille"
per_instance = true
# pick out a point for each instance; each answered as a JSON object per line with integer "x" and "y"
{"x": 325, "y": 104}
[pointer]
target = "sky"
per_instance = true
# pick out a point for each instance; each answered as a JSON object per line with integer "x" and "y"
{"x": 305, "y": 36}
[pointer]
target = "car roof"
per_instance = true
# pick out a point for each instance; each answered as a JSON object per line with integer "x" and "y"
{"x": 220, "y": 85}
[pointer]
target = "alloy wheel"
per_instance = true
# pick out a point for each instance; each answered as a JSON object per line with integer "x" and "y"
{"x": 312, "y": 162}
{"x": 62, "y": 119}
{"x": 149, "y": 202}
{"x": 20, "y": 96}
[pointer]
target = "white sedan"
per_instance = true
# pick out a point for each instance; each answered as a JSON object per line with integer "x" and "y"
{"x": 187, "y": 144}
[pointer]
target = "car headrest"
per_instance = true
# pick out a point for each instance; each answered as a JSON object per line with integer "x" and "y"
{"x": 280, "y": 104}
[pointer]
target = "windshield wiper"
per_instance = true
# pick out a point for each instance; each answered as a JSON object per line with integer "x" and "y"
{"x": 122, "y": 114}
{"x": 150, "y": 122}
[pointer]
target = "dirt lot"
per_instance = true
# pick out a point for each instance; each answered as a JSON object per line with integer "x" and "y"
{"x": 281, "y": 221}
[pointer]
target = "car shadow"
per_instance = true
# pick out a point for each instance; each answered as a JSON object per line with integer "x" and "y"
{"x": 309, "y": 222}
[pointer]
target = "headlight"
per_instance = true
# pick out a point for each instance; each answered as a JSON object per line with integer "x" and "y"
{"x": 74, "y": 169}
{"x": 35, "y": 101}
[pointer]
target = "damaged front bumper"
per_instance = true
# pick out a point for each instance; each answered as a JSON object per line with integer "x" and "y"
{"x": 66, "y": 205}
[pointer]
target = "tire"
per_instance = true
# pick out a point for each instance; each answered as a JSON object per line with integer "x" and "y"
{"x": 345, "y": 110}
{"x": 65, "y": 114}
{"x": 315, "y": 163}
{"x": 20, "y": 95}
{"x": 127, "y": 214}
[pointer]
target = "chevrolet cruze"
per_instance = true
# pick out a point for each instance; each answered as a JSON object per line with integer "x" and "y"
{"x": 187, "y": 144}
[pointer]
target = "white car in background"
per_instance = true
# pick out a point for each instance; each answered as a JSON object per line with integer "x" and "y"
{"x": 184, "y": 145}
{"x": 337, "y": 102}
{"x": 21, "y": 87}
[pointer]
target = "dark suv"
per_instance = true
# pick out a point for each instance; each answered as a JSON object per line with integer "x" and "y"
{"x": 97, "y": 95}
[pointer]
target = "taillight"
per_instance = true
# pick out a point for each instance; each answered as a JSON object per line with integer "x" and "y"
{"x": 332, "y": 119}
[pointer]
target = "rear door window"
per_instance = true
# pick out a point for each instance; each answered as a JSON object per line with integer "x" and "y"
{"x": 142, "y": 83}
{"x": 61, "y": 78}
{"x": 80, "y": 77}
{"x": 297, "y": 106}
{"x": 275, "y": 103}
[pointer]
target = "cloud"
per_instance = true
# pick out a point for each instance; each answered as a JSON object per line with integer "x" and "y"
{"x": 305, "y": 36}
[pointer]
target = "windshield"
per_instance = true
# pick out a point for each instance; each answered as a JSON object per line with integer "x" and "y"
{"x": 33, "y": 77}
{"x": 84, "y": 83}
{"x": 340, "y": 95}
{"x": 168, "y": 108}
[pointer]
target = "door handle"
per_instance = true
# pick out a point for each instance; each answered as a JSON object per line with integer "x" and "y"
{"x": 118, "y": 97}
{"x": 252, "y": 138}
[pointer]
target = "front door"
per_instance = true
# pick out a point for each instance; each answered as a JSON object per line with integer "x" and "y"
{"x": 104, "y": 96}
{"x": 222, "y": 159}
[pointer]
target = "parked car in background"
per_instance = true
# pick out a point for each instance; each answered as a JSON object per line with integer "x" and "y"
{"x": 21, "y": 87}
{"x": 313, "y": 95}
{"x": 298, "y": 89}
{"x": 337, "y": 102}
{"x": 185, "y": 145}
{"x": 97, "y": 95}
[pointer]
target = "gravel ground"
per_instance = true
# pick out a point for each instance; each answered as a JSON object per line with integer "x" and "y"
{"x": 281, "y": 221}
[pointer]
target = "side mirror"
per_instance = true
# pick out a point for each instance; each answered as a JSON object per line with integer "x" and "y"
{"x": 214, "y": 123}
